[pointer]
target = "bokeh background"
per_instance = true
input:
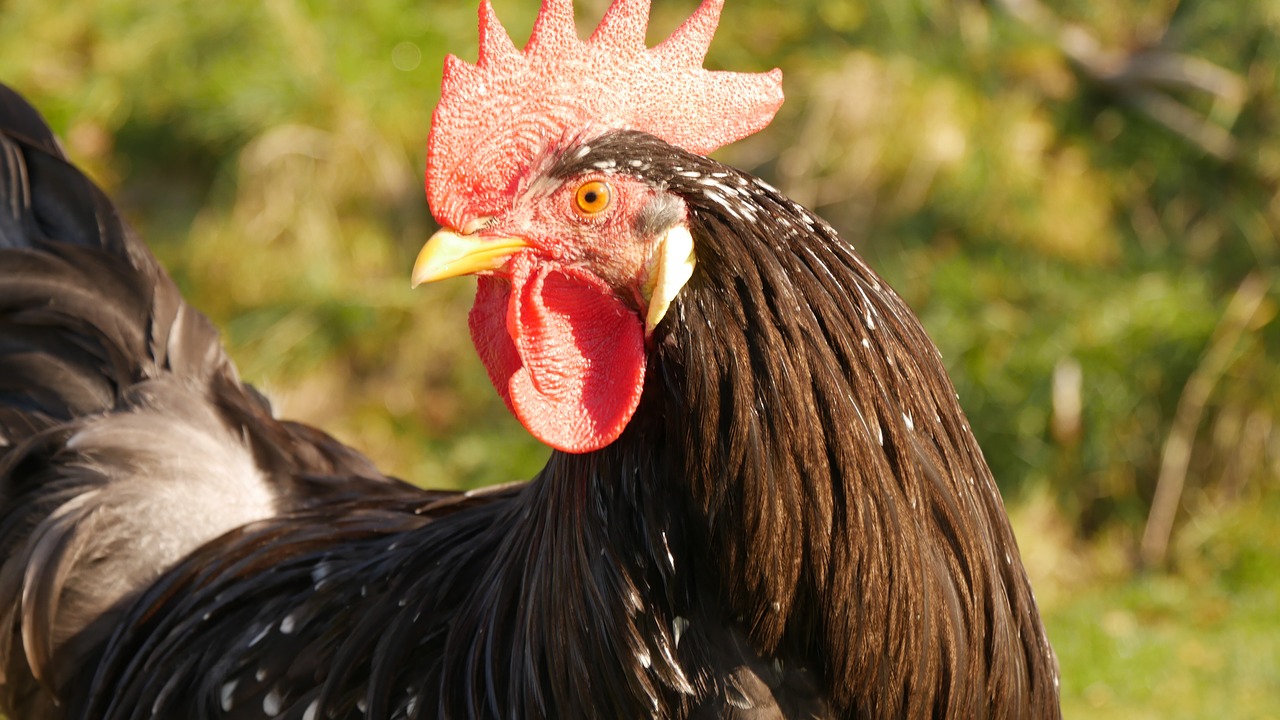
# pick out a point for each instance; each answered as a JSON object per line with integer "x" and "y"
{"x": 1079, "y": 199}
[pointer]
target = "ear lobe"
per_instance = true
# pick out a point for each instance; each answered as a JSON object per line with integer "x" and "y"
{"x": 669, "y": 271}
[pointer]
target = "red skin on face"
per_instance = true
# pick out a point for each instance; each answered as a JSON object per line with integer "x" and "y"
{"x": 560, "y": 329}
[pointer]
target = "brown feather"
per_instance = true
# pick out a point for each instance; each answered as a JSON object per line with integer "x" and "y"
{"x": 797, "y": 523}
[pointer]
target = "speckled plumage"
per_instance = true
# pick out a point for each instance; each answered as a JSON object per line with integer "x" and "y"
{"x": 797, "y": 522}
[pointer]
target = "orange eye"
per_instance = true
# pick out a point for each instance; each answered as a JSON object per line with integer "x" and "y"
{"x": 593, "y": 197}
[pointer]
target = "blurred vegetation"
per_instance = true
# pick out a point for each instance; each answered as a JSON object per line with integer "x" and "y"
{"x": 1080, "y": 200}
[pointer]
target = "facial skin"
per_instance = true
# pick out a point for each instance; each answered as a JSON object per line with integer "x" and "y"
{"x": 575, "y": 276}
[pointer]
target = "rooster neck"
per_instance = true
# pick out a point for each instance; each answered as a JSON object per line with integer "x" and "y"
{"x": 587, "y": 553}
{"x": 800, "y": 457}
{"x": 804, "y": 423}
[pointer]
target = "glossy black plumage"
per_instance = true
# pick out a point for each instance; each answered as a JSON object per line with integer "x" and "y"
{"x": 797, "y": 522}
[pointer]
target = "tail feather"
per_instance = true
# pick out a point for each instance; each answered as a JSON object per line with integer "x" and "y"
{"x": 20, "y": 120}
{"x": 71, "y": 341}
{"x": 85, "y": 309}
{"x": 87, "y": 316}
{"x": 126, "y": 438}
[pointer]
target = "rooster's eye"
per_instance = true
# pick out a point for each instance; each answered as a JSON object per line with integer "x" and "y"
{"x": 593, "y": 197}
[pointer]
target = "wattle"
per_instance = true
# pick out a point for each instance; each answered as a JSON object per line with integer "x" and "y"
{"x": 566, "y": 354}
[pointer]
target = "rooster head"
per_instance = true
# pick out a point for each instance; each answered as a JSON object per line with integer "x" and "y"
{"x": 577, "y": 265}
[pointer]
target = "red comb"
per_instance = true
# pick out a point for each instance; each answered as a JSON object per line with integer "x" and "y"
{"x": 494, "y": 117}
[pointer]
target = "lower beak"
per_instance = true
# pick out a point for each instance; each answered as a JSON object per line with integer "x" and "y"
{"x": 448, "y": 254}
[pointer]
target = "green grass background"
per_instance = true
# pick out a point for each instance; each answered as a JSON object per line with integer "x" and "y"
{"x": 1083, "y": 196}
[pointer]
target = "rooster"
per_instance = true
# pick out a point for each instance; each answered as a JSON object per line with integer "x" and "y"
{"x": 764, "y": 500}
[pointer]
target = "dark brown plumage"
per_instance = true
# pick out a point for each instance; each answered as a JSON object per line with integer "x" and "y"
{"x": 797, "y": 521}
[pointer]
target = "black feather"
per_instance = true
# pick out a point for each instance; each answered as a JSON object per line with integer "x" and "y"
{"x": 797, "y": 523}
{"x": 849, "y": 511}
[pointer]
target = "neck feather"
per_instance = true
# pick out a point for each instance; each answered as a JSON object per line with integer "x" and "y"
{"x": 848, "y": 510}
{"x": 799, "y": 464}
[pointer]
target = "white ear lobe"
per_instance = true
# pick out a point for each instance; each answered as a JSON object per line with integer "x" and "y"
{"x": 671, "y": 268}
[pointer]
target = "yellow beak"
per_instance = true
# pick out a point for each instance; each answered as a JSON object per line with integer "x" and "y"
{"x": 448, "y": 254}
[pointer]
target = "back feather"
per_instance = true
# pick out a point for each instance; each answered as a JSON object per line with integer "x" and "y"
{"x": 127, "y": 440}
